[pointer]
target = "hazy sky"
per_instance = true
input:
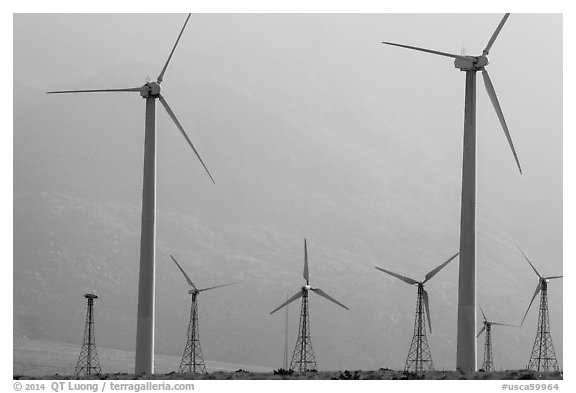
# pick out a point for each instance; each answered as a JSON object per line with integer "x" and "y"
{"x": 310, "y": 126}
{"x": 417, "y": 90}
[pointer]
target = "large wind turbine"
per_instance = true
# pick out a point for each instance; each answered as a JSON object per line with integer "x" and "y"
{"x": 488, "y": 364}
{"x": 145, "y": 326}
{"x": 303, "y": 356}
{"x": 419, "y": 357}
{"x": 466, "y": 344}
{"x": 543, "y": 357}
{"x": 192, "y": 359}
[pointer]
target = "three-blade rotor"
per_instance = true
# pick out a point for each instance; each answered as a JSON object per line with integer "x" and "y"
{"x": 152, "y": 90}
{"x": 541, "y": 282}
{"x": 428, "y": 277}
{"x": 307, "y": 287}
{"x": 489, "y": 323}
{"x": 478, "y": 63}
{"x": 189, "y": 281}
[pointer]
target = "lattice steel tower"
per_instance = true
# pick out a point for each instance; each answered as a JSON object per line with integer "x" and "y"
{"x": 488, "y": 364}
{"x": 419, "y": 358}
{"x": 88, "y": 363}
{"x": 192, "y": 359}
{"x": 303, "y": 358}
{"x": 543, "y": 357}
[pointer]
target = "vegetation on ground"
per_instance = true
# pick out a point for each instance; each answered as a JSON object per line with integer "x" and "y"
{"x": 381, "y": 374}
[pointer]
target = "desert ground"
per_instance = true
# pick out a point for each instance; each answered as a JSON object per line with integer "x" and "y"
{"x": 381, "y": 374}
{"x": 36, "y": 359}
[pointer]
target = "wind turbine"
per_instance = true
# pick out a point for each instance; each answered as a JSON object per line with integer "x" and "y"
{"x": 488, "y": 364}
{"x": 303, "y": 355}
{"x": 466, "y": 341}
{"x": 419, "y": 357}
{"x": 192, "y": 359}
{"x": 543, "y": 357}
{"x": 145, "y": 327}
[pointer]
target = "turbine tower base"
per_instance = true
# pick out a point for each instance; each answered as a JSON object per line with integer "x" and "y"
{"x": 419, "y": 356}
{"x": 303, "y": 358}
{"x": 192, "y": 359}
{"x": 543, "y": 357}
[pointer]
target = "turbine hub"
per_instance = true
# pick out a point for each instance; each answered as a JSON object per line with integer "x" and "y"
{"x": 471, "y": 63}
{"x": 150, "y": 89}
{"x": 193, "y": 292}
{"x": 306, "y": 287}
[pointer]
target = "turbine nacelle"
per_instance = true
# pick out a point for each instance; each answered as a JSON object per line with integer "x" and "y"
{"x": 150, "y": 89}
{"x": 306, "y": 287}
{"x": 469, "y": 63}
{"x": 544, "y": 283}
{"x": 193, "y": 292}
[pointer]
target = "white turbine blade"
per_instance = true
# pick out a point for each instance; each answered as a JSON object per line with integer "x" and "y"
{"x": 435, "y": 52}
{"x": 492, "y": 94}
{"x": 184, "y": 273}
{"x": 502, "y": 324}
{"x": 433, "y": 272}
{"x": 483, "y": 315}
{"x": 481, "y": 331}
{"x": 495, "y": 35}
{"x": 531, "y": 301}
{"x": 175, "y": 120}
{"x": 553, "y": 277}
{"x": 427, "y": 305}
{"x": 398, "y": 276}
{"x": 217, "y": 286}
{"x": 306, "y": 274}
{"x": 95, "y": 90}
{"x": 298, "y": 295}
{"x": 159, "y": 80}
{"x": 533, "y": 268}
{"x": 325, "y": 295}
